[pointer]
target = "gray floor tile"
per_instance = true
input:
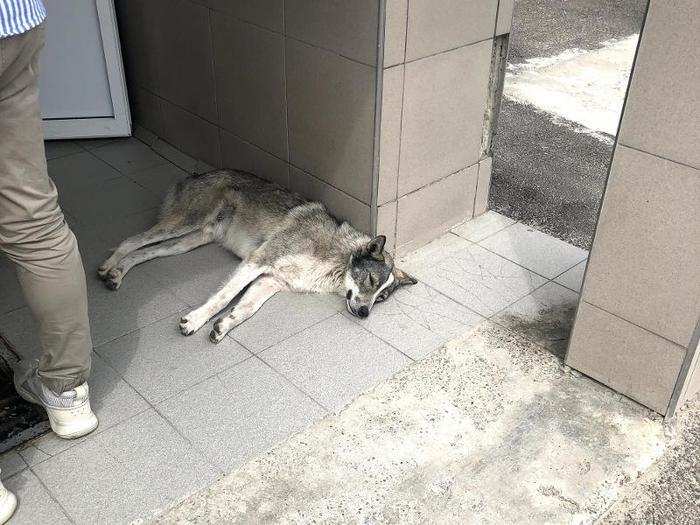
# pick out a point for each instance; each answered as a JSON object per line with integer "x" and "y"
{"x": 103, "y": 204}
{"x": 471, "y": 275}
{"x": 11, "y": 297}
{"x": 158, "y": 179}
{"x": 98, "y": 240}
{"x": 243, "y": 412}
{"x": 140, "y": 301}
{"x": 90, "y": 144}
{"x": 127, "y": 472}
{"x": 10, "y": 464}
{"x": 195, "y": 276}
{"x": 535, "y": 250}
{"x": 573, "y": 278}
{"x": 545, "y": 317}
{"x": 334, "y": 361}
{"x": 417, "y": 319}
{"x": 482, "y": 226}
{"x": 75, "y": 172}
{"x": 285, "y": 314}
{"x": 128, "y": 155}
{"x": 112, "y": 400}
{"x": 158, "y": 361}
{"x": 60, "y": 148}
{"x": 31, "y": 454}
{"x": 36, "y": 506}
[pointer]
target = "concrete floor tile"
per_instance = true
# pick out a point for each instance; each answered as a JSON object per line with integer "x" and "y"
{"x": 78, "y": 170}
{"x": 107, "y": 202}
{"x": 128, "y": 472}
{"x": 158, "y": 361}
{"x": 60, "y": 148}
{"x": 471, "y": 275}
{"x": 31, "y": 454}
{"x": 195, "y": 276}
{"x": 281, "y": 316}
{"x": 10, "y": 464}
{"x": 417, "y": 320}
{"x": 240, "y": 413}
{"x": 158, "y": 179}
{"x": 128, "y": 155}
{"x": 334, "y": 361}
{"x": 545, "y": 317}
{"x": 35, "y": 504}
{"x": 573, "y": 278}
{"x": 536, "y": 251}
{"x": 480, "y": 227}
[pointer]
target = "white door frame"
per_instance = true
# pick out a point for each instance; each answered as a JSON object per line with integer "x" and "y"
{"x": 118, "y": 125}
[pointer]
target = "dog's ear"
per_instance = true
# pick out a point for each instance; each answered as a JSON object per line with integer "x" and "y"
{"x": 375, "y": 247}
{"x": 402, "y": 278}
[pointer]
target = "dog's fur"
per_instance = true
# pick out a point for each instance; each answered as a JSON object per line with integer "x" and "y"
{"x": 285, "y": 243}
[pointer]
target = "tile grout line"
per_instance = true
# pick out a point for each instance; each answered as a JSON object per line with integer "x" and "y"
{"x": 52, "y": 495}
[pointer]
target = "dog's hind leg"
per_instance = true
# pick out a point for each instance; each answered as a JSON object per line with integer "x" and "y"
{"x": 245, "y": 274}
{"x": 184, "y": 244}
{"x": 160, "y": 232}
{"x": 253, "y": 298}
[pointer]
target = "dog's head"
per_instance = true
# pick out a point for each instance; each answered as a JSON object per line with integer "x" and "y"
{"x": 371, "y": 277}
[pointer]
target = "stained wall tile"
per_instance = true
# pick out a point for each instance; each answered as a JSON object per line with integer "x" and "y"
{"x": 443, "y": 114}
{"x": 331, "y": 117}
{"x": 644, "y": 262}
{"x": 625, "y": 357}
{"x": 438, "y": 25}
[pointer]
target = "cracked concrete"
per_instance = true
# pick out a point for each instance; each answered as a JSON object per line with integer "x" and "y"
{"x": 490, "y": 429}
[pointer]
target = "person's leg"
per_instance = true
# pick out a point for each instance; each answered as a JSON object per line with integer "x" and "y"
{"x": 33, "y": 231}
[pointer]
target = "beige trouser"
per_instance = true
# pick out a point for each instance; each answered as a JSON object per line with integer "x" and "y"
{"x": 33, "y": 231}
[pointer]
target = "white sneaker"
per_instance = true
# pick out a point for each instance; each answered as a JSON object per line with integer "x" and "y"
{"x": 69, "y": 413}
{"x": 8, "y": 504}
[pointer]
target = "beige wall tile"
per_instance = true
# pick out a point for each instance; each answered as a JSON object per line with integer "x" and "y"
{"x": 644, "y": 262}
{"x": 691, "y": 380}
{"x": 662, "y": 111}
{"x": 425, "y": 214}
{"x": 505, "y": 16}
{"x": 191, "y": 134}
{"x": 438, "y": 25}
{"x": 481, "y": 200}
{"x": 338, "y": 203}
{"x": 250, "y": 83}
{"x": 390, "y": 138}
{"x": 395, "y": 32}
{"x": 347, "y": 28}
{"x": 265, "y": 13}
{"x": 238, "y": 154}
{"x": 331, "y": 117}
{"x": 386, "y": 224}
{"x": 186, "y": 75}
{"x": 631, "y": 360}
{"x": 443, "y": 114}
{"x": 139, "y": 31}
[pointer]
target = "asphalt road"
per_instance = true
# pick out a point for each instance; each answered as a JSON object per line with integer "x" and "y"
{"x": 544, "y": 173}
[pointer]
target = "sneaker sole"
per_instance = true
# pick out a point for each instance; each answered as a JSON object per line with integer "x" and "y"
{"x": 7, "y": 507}
{"x": 74, "y": 432}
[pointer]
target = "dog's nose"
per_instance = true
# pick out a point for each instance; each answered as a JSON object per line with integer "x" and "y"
{"x": 363, "y": 311}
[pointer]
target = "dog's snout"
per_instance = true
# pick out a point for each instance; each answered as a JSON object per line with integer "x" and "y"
{"x": 363, "y": 311}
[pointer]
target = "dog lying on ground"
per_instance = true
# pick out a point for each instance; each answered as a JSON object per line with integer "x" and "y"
{"x": 285, "y": 243}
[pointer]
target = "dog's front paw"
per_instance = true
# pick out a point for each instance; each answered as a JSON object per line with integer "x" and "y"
{"x": 218, "y": 333}
{"x": 103, "y": 270}
{"x": 189, "y": 324}
{"x": 113, "y": 279}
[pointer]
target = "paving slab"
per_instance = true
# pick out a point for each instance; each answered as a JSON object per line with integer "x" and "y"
{"x": 471, "y": 275}
{"x": 482, "y": 226}
{"x": 36, "y": 505}
{"x": 10, "y": 464}
{"x": 417, "y": 320}
{"x": 534, "y": 250}
{"x": 335, "y": 360}
{"x": 489, "y": 429}
{"x": 573, "y": 277}
{"x": 240, "y": 413}
{"x": 125, "y": 473}
{"x": 128, "y": 155}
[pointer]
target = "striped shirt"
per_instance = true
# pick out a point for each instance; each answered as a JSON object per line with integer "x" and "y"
{"x": 19, "y": 16}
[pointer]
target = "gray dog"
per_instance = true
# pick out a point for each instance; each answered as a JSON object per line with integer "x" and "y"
{"x": 285, "y": 243}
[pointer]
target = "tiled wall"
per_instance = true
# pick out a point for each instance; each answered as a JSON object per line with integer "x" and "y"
{"x": 288, "y": 89}
{"x": 438, "y": 62}
{"x": 640, "y": 301}
{"x": 282, "y": 88}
